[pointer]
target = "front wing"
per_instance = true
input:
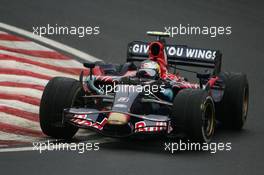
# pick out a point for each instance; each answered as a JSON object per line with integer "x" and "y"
{"x": 116, "y": 123}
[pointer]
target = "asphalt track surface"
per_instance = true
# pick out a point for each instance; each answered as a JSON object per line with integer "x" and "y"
{"x": 122, "y": 21}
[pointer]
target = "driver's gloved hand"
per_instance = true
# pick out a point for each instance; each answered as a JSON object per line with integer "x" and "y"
{"x": 90, "y": 84}
{"x": 168, "y": 94}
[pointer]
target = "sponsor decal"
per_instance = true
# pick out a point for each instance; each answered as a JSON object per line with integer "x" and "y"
{"x": 177, "y": 52}
{"x": 140, "y": 48}
{"x": 123, "y": 99}
{"x": 142, "y": 127}
{"x": 81, "y": 119}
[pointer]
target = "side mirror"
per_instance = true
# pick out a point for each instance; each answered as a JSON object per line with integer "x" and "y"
{"x": 89, "y": 65}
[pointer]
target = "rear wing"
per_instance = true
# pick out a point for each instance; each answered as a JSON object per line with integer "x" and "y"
{"x": 179, "y": 55}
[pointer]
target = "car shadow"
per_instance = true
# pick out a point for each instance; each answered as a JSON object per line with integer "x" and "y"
{"x": 161, "y": 145}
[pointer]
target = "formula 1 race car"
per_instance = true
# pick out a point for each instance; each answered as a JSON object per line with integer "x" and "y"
{"x": 131, "y": 99}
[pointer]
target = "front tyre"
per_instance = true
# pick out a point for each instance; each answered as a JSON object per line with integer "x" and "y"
{"x": 59, "y": 93}
{"x": 193, "y": 112}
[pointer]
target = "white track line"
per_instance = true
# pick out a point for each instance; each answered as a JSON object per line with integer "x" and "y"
{"x": 2, "y": 32}
{"x": 18, "y": 121}
{"x": 20, "y": 105}
{"x": 25, "y": 45}
{"x": 33, "y": 68}
{"x": 22, "y": 79}
{"x": 62, "y": 63}
{"x": 3, "y": 150}
{"x": 50, "y": 42}
{"x": 21, "y": 91}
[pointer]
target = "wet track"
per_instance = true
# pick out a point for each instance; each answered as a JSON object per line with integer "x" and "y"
{"x": 122, "y": 21}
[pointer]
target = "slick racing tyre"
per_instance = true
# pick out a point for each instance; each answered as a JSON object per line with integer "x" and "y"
{"x": 193, "y": 113}
{"x": 233, "y": 108}
{"x": 59, "y": 93}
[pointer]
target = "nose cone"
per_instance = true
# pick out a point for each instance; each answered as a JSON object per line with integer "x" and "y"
{"x": 117, "y": 118}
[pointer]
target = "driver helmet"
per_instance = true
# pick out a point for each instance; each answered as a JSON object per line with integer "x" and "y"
{"x": 148, "y": 64}
{"x": 149, "y": 69}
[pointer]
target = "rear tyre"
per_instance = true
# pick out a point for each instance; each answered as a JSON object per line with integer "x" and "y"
{"x": 193, "y": 113}
{"x": 59, "y": 93}
{"x": 233, "y": 108}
